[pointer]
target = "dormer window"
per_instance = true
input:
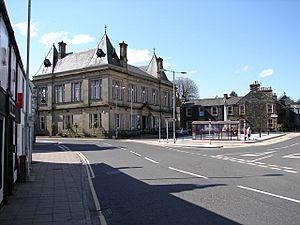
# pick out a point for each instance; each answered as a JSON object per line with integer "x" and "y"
{"x": 113, "y": 53}
{"x": 47, "y": 63}
{"x": 100, "y": 53}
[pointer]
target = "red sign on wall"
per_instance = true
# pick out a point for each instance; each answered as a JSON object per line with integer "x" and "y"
{"x": 20, "y": 100}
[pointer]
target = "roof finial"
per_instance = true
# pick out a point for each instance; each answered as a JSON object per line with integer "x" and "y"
{"x": 105, "y": 29}
{"x": 153, "y": 51}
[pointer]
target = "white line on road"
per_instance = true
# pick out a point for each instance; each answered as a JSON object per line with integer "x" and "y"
{"x": 151, "y": 160}
{"x": 263, "y": 166}
{"x": 135, "y": 153}
{"x": 64, "y": 148}
{"x": 87, "y": 162}
{"x": 186, "y": 172}
{"x": 290, "y": 171}
{"x": 274, "y": 168}
{"x": 268, "y": 193}
{"x": 268, "y": 156}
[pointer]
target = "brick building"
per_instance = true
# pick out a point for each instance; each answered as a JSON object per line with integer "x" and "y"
{"x": 95, "y": 92}
{"x": 258, "y": 108}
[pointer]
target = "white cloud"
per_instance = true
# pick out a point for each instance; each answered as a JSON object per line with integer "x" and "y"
{"x": 53, "y": 37}
{"x": 244, "y": 69}
{"x": 138, "y": 56}
{"x": 266, "y": 73}
{"x": 80, "y": 39}
{"x": 22, "y": 28}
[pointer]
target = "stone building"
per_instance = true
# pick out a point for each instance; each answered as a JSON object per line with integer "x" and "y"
{"x": 257, "y": 108}
{"x": 96, "y": 92}
{"x": 288, "y": 114}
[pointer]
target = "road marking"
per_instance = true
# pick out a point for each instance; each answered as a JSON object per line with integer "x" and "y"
{"x": 257, "y": 154}
{"x": 64, "y": 148}
{"x": 252, "y": 164}
{"x": 292, "y": 156}
{"x": 135, "y": 153}
{"x": 186, "y": 172}
{"x": 268, "y": 156}
{"x": 274, "y": 168}
{"x": 287, "y": 168}
{"x": 151, "y": 160}
{"x": 268, "y": 193}
{"x": 290, "y": 171}
{"x": 94, "y": 194}
{"x": 87, "y": 162}
{"x": 263, "y": 166}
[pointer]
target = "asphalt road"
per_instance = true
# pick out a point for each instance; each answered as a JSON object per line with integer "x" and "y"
{"x": 140, "y": 184}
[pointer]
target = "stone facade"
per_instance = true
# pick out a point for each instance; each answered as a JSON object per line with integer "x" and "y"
{"x": 258, "y": 108}
{"x": 95, "y": 93}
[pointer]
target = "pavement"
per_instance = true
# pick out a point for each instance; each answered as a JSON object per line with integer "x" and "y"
{"x": 186, "y": 141}
{"x": 55, "y": 193}
{"x": 58, "y": 190}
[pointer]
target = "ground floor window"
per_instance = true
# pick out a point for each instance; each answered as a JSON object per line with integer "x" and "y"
{"x": 95, "y": 120}
{"x": 67, "y": 121}
{"x": 117, "y": 120}
{"x": 270, "y": 124}
{"x": 42, "y": 123}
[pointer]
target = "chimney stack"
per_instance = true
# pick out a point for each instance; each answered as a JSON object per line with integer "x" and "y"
{"x": 123, "y": 54}
{"x": 160, "y": 65}
{"x": 255, "y": 87}
{"x": 62, "y": 50}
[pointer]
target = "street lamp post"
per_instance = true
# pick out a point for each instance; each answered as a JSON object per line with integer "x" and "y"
{"x": 131, "y": 108}
{"x": 174, "y": 106}
{"x": 116, "y": 86}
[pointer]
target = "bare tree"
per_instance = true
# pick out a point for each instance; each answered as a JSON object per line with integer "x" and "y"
{"x": 186, "y": 89}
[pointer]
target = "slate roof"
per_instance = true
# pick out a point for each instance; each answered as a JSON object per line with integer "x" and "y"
{"x": 89, "y": 58}
{"x": 215, "y": 101}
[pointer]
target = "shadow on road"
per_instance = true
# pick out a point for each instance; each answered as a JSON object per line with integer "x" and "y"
{"x": 128, "y": 201}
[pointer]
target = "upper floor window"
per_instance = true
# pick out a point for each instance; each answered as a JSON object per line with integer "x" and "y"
{"x": 76, "y": 91}
{"x": 242, "y": 110}
{"x": 59, "y": 93}
{"x": 188, "y": 112}
{"x": 95, "y": 88}
{"x": 201, "y": 111}
{"x": 117, "y": 90}
{"x": 214, "y": 111}
{"x": 270, "y": 108}
{"x": 229, "y": 110}
{"x": 132, "y": 93}
{"x": 42, "y": 95}
{"x": 166, "y": 98}
{"x": 154, "y": 96}
{"x": 144, "y": 94}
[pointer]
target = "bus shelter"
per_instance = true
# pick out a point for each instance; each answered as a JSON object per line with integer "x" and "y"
{"x": 216, "y": 130}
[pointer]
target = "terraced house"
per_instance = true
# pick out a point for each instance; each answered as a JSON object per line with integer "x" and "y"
{"x": 96, "y": 92}
{"x": 258, "y": 109}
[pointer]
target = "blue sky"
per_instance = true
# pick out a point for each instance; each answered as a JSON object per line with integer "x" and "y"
{"x": 224, "y": 45}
